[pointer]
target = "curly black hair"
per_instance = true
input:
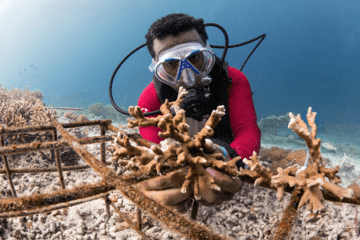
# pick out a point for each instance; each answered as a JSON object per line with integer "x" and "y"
{"x": 174, "y": 24}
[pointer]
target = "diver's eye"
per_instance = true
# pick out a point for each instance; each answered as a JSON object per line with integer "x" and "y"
{"x": 171, "y": 64}
{"x": 197, "y": 59}
{"x": 194, "y": 57}
{"x": 171, "y": 67}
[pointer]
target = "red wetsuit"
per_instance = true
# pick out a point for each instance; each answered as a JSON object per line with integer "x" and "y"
{"x": 241, "y": 112}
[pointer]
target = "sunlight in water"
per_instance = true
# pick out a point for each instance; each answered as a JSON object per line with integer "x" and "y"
{"x": 4, "y": 4}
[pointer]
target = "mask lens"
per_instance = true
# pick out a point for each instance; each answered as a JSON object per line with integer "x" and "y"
{"x": 164, "y": 75}
{"x": 197, "y": 60}
{"x": 187, "y": 60}
{"x": 208, "y": 62}
{"x": 171, "y": 67}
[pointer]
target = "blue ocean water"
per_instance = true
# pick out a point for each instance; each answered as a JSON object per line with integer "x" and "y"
{"x": 310, "y": 57}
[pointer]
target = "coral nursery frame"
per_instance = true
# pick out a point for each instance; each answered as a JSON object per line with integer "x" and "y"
{"x": 28, "y": 205}
{"x": 23, "y": 206}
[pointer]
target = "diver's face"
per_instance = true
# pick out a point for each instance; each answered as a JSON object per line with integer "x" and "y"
{"x": 161, "y": 45}
{"x": 171, "y": 41}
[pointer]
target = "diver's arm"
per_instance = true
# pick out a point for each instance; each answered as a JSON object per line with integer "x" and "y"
{"x": 149, "y": 101}
{"x": 243, "y": 116}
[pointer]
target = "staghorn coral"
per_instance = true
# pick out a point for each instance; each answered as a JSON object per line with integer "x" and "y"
{"x": 253, "y": 229}
{"x": 27, "y": 104}
{"x": 23, "y": 107}
{"x": 307, "y": 178}
{"x": 177, "y": 150}
{"x": 40, "y": 116}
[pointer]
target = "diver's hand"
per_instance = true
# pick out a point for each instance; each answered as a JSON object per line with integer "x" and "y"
{"x": 212, "y": 146}
{"x": 228, "y": 185}
{"x": 167, "y": 189}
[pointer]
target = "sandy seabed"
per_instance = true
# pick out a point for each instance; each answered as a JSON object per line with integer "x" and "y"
{"x": 253, "y": 213}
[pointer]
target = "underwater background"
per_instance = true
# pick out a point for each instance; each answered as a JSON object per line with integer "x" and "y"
{"x": 311, "y": 57}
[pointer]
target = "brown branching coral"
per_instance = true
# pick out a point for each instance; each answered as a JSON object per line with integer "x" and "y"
{"x": 257, "y": 171}
{"x": 175, "y": 221}
{"x": 40, "y": 116}
{"x": 20, "y": 108}
{"x": 178, "y": 149}
{"x": 42, "y": 203}
{"x": 24, "y": 103}
{"x": 308, "y": 178}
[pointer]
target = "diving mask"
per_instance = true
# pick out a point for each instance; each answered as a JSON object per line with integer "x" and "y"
{"x": 184, "y": 61}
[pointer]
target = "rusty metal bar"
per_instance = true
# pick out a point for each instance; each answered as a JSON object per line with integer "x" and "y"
{"x": 103, "y": 127}
{"x": 52, "y": 151}
{"x": 52, "y": 155}
{"x": 66, "y": 108}
{"x": 96, "y": 165}
{"x": 45, "y": 156}
{"x": 170, "y": 218}
{"x": 46, "y": 200}
{"x": 194, "y": 210}
{"x": 48, "y": 209}
{"x": 127, "y": 219}
{"x": 58, "y": 161}
{"x": 8, "y": 175}
{"x": 41, "y": 128}
{"x": 107, "y": 206}
{"x": 41, "y": 170}
{"x": 7, "y": 169}
{"x": 138, "y": 218}
{"x": 289, "y": 216}
{"x": 128, "y": 192}
{"x": 131, "y": 179}
{"x": 36, "y": 146}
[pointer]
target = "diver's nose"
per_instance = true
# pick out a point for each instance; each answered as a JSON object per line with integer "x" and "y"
{"x": 188, "y": 76}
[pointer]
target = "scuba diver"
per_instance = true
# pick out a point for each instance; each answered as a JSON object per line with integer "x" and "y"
{"x": 183, "y": 58}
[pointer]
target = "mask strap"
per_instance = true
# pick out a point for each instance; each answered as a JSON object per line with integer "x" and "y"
{"x": 152, "y": 65}
{"x": 209, "y": 48}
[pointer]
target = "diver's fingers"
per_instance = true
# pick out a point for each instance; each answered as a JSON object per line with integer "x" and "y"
{"x": 225, "y": 181}
{"x": 209, "y": 145}
{"x": 168, "y": 196}
{"x": 175, "y": 179}
{"x": 210, "y": 197}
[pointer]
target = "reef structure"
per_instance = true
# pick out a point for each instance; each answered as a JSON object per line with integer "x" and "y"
{"x": 307, "y": 180}
{"x": 178, "y": 150}
{"x": 23, "y": 108}
{"x": 178, "y": 144}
